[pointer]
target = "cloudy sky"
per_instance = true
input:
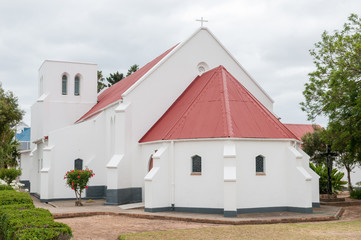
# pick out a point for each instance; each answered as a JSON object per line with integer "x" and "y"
{"x": 270, "y": 38}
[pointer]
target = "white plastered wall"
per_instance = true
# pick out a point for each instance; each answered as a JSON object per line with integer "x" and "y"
{"x": 286, "y": 182}
{"x": 86, "y": 141}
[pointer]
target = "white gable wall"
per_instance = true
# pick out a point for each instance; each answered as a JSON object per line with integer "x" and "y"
{"x": 158, "y": 91}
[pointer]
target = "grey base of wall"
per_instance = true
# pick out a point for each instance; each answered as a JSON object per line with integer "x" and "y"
{"x": 275, "y": 209}
{"x": 316, "y": 204}
{"x": 123, "y": 196}
{"x": 26, "y": 184}
{"x": 59, "y": 199}
{"x": 230, "y": 213}
{"x": 96, "y": 192}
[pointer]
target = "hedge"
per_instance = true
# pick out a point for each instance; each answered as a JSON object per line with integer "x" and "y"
{"x": 8, "y": 197}
{"x": 5, "y": 187}
{"x": 19, "y": 219}
{"x": 21, "y": 224}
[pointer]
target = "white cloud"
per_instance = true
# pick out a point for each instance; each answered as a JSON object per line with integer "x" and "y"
{"x": 270, "y": 39}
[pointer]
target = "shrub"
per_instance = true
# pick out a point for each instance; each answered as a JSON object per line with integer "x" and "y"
{"x": 19, "y": 219}
{"x": 32, "y": 223}
{"x": 59, "y": 233}
{"x": 5, "y": 187}
{"x": 356, "y": 194}
{"x": 9, "y": 174}
{"x": 78, "y": 181}
{"x": 336, "y": 178}
{"x": 8, "y": 197}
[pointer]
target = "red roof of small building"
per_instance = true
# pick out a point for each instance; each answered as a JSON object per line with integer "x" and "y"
{"x": 216, "y": 105}
{"x": 114, "y": 93}
{"x": 300, "y": 129}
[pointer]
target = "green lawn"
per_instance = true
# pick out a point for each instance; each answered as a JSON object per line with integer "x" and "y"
{"x": 335, "y": 230}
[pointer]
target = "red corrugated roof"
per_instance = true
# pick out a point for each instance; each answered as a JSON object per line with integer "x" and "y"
{"x": 216, "y": 105}
{"x": 300, "y": 129}
{"x": 114, "y": 93}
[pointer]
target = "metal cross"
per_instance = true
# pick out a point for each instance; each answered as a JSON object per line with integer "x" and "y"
{"x": 328, "y": 154}
{"x": 202, "y": 21}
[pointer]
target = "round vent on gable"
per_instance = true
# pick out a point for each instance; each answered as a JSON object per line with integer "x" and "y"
{"x": 202, "y": 68}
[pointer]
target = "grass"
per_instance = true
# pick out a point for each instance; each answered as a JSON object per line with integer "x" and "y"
{"x": 314, "y": 231}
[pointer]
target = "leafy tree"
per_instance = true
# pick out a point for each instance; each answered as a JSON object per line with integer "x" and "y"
{"x": 339, "y": 137}
{"x": 334, "y": 88}
{"x": 78, "y": 181}
{"x": 114, "y": 78}
{"x": 314, "y": 144}
{"x": 10, "y": 116}
{"x": 101, "y": 80}
{"x": 132, "y": 69}
{"x": 9, "y": 152}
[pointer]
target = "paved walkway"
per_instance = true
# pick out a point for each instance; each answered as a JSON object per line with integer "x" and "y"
{"x": 67, "y": 209}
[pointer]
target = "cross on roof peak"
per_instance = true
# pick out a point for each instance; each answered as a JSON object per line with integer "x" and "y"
{"x": 202, "y": 21}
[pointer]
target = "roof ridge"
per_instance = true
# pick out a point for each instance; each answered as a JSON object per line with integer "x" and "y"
{"x": 267, "y": 113}
{"x": 201, "y": 92}
{"x": 227, "y": 109}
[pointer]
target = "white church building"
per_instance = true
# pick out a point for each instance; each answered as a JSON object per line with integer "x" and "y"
{"x": 190, "y": 131}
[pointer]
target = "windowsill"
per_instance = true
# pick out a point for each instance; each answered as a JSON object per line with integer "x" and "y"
{"x": 196, "y": 173}
{"x": 260, "y": 174}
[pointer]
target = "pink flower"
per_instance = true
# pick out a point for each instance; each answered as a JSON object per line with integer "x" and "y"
{"x": 72, "y": 184}
{"x": 78, "y": 176}
{"x": 72, "y": 187}
{"x": 86, "y": 187}
{"x": 64, "y": 177}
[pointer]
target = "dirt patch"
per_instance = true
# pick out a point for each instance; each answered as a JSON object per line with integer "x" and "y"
{"x": 110, "y": 227}
{"x": 351, "y": 213}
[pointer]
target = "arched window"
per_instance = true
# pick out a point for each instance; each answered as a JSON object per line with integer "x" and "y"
{"x": 260, "y": 165}
{"x": 78, "y": 164}
{"x": 196, "y": 164}
{"x": 76, "y": 86}
{"x": 64, "y": 85}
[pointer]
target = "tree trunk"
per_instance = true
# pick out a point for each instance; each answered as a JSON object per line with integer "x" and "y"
{"x": 348, "y": 169}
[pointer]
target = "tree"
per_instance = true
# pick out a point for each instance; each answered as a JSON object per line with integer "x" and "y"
{"x": 78, "y": 180}
{"x": 339, "y": 136}
{"x": 334, "y": 88}
{"x": 10, "y": 116}
{"x": 114, "y": 78}
{"x": 9, "y": 150}
{"x": 101, "y": 80}
{"x": 314, "y": 143}
{"x": 132, "y": 69}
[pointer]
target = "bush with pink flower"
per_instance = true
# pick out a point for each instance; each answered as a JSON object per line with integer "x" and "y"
{"x": 78, "y": 181}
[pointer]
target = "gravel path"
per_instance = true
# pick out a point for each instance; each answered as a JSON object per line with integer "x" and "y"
{"x": 110, "y": 227}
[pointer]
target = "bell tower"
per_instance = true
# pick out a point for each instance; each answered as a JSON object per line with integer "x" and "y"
{"x": 67, "y": 90}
